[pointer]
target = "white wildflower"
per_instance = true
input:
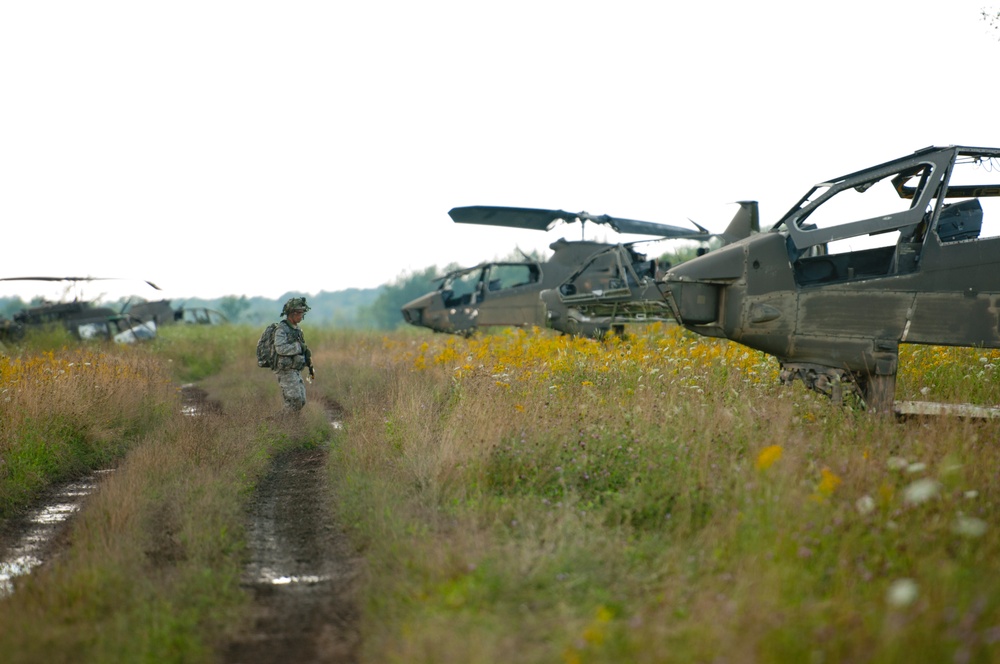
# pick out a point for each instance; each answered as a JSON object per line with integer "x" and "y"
{"x": 968, "y": 526}
{"x": 921, "y": 491}
{"x": 865, "y": 504}
{"x": 896, "y": 463}
{"x": 902, "y": 592}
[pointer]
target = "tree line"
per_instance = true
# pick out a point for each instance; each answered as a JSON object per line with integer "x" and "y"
{"x": 354, "y": 308}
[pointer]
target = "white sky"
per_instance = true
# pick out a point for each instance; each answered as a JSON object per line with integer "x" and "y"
{"x": 254, "y": 148}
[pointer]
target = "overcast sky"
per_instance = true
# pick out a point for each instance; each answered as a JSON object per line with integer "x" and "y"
{"x": 251, "y": 148}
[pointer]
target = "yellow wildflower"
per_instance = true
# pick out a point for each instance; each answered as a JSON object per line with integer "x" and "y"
{"x": 827, "y": 484}
{"x": 768, "y": 456}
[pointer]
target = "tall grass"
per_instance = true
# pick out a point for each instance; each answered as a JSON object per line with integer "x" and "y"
{"x": 532, "y": 498}
{"x": 198, "y": 351}
{"x": 153, "y": 570}
{"x": 63, "y": 413}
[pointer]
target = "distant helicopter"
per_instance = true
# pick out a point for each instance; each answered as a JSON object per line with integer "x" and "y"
{"x": 163, "y": 313}
{"x": 864, "y": 262}
{"x": 83, "y": 319}
{"x": 505, "y": 293}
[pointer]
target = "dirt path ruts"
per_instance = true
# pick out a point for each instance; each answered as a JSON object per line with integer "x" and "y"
{"x": 301, "y": 571}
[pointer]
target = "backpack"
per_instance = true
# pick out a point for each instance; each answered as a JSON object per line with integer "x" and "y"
{"x": 266, "y": 355}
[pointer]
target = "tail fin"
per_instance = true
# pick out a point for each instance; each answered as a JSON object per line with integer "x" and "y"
{"x": 745, "y": 223}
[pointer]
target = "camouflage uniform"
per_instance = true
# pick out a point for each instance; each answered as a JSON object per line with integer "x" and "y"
{"x": 290, "y": 345}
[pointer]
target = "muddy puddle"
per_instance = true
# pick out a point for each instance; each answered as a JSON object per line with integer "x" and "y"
{"x": 301, "y": 571}
{"x": 36, "y": 533}
{"x": 195, "y": 401}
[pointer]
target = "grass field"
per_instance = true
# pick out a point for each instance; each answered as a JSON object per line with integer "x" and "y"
{"x": 521, "y": 497}
{"x": 533, "y": 498}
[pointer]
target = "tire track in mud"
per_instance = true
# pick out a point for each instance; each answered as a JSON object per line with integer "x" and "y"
{"x": 39, "y": 535}
{"x": 301, "y": 571}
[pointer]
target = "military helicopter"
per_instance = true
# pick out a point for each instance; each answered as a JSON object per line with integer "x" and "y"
{"x": 864, "y": 262}
{"x": 508, "y": 293}
{"x": 83, "y": 319}
{"x": 162, "y": 313}
{"x": 626, "y": 295}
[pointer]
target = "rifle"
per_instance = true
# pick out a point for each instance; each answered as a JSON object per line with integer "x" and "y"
{"x": 309, "y": 363}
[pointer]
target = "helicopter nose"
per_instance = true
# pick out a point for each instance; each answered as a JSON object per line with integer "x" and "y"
{"x": 696, "y": 285}
{"x": 697, "y": 302}
{"x": 413, "y": 315}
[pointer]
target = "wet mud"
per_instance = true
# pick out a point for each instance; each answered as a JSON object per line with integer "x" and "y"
{"x": 28, "y": 541}
{"x": 301, "y": 571}
{"x": 195, "y": 401}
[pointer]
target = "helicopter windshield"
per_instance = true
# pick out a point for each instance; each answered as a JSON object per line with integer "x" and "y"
{"x": 475, "y": 284}
{"x": 855, "y": 206}
{"x": 459, "y": 288}
{"x": 875, "y": 206}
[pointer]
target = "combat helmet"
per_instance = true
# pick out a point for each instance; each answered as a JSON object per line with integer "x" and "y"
{"x": 295, "y": 304}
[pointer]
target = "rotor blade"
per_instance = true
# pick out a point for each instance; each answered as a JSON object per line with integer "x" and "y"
{"x": 491, "y": 215}
{"x": 643, "y": 227}
{"x": 75, "y": 279}
{"x": 46, "y": 278}
{"x": 543, "y": 220}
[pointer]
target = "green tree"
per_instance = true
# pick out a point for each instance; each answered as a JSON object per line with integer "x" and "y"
{"x": 679, "y": 254}
{"x": 232, "y": 307}
{"x": 10, "y": 306}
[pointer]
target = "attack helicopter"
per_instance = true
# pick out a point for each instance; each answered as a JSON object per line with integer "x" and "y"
{"x": 888, "y": 255}
{"x": 508, "y": 293}
{"x": 83, "y": 319}
{"x": 627, "y": 295}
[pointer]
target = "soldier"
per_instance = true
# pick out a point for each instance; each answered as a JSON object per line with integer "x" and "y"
{"x": 293, "y": 354}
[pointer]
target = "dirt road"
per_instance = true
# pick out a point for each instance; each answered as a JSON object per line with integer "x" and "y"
{"x": 301, "y": 571}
